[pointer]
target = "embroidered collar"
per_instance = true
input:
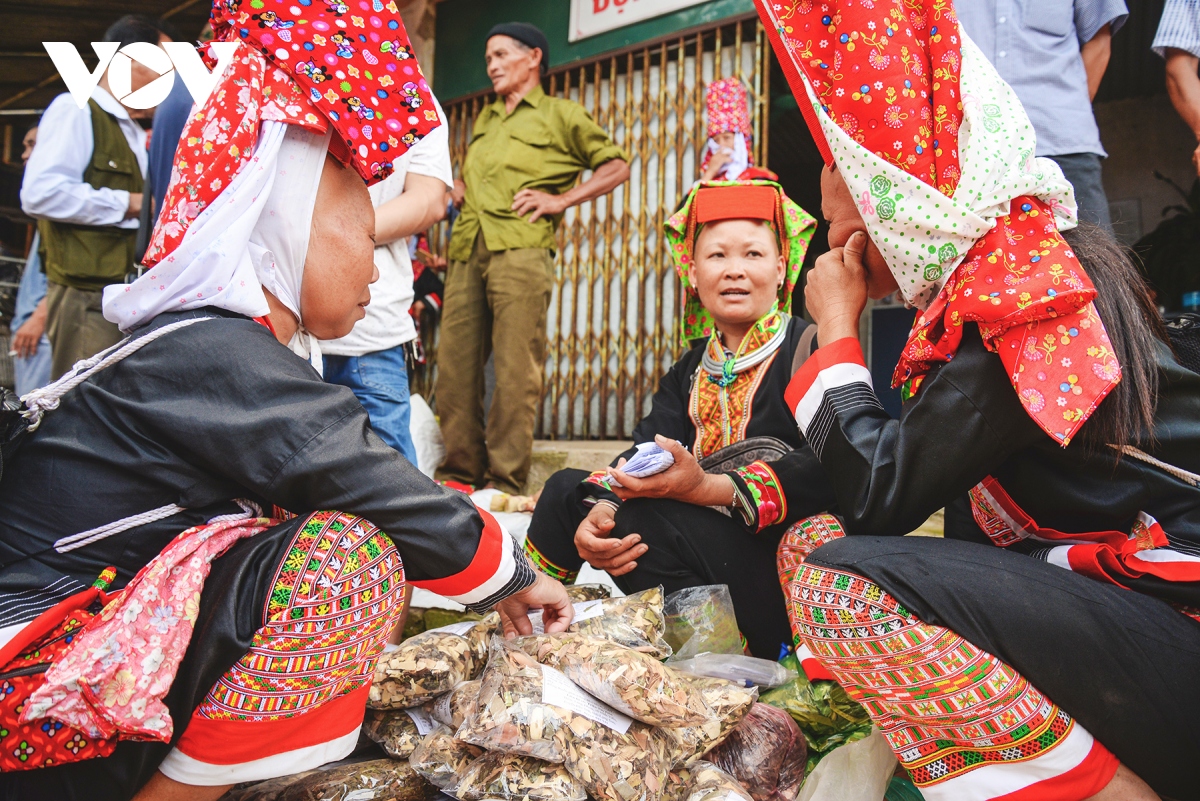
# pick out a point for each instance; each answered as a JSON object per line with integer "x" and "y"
{"x": 723, "y": 366}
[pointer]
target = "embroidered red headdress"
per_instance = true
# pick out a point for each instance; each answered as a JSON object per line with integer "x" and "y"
{"x": 890, "y": 89}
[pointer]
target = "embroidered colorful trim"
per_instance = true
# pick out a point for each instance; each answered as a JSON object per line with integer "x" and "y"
{"x": 766, "y": 494}
{"x": 543, "y": 564}
{"x": 721, "y": 409}
{"x": 946, "y": 707}
{"x": 335, "y": 599}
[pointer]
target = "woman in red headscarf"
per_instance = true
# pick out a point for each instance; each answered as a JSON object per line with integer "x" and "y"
{"x": 738, "y": 248}
{"x": 1049, "y": 647}
{"x": 203, "y": 546}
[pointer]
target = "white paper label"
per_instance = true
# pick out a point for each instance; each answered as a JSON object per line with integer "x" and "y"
{"x": 421, "y": 719}
{"x": 460, "y": 629}
{"x": 558, "y": 690}
{"x": 441, "y": 710}
{"x": 584, "y": 610}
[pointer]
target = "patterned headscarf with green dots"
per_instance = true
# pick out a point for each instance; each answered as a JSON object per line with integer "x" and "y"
{"x": 928, "y": 185}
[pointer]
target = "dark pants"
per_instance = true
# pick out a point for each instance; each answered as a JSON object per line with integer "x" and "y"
{"x": 1123, "y": 664}
{"x": 688, "y": 546}
{"x": 1085, "y": 173}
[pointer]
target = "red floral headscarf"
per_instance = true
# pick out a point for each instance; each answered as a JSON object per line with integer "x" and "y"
{"x": 971, "y": 233}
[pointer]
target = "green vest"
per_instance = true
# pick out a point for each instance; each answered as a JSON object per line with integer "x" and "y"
{"x": 90, "y": 257}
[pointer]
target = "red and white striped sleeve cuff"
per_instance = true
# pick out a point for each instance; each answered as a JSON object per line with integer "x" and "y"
{"x": 498, "y": 570}
{"x": 834, "y": 378}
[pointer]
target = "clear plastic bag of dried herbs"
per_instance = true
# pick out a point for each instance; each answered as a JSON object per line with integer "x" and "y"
{"x": 616, "y": 766}
{"x": 627, "y": 680}
{"x": 441, "y": 758}
{"x": 636, "y": 621}
{"x": 422, "y": 668}
{"x": 729, "y": 703}
{"x": 707, "y": 782}
{"x": 453, "y": 708}
{"x": 394, "y": 730}
{"x": 511, "y": 715}
{"x": 497, "y": 776}
{"x": 377, "y": 780}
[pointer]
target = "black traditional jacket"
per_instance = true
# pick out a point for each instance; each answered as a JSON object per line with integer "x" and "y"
{"x": 1124, "y": 521}
{"x": 206, "y": 414}
{"x": 706, "y": 417}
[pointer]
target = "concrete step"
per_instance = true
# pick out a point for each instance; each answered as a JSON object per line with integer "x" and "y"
{"x": 552, "y": 455}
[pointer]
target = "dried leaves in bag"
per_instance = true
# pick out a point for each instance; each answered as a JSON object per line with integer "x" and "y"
{"x": 498, "y": 776}
{"x": 618, "y": 767}
{"x": 268, "y": 790}
{"x": 635, "y": 621}
{"x": 511, "y": 715}
{"x": 579, "y": 593}
{"x": 457, "y": 705}
{"x": 729, "y": 704}
{"x": 707, "y": 782}
{"x": 765, "y": 748}
{"x": 441, "y": 758}
{"x": 377, "y": 780}
{"x": 420, "y": 669}
{"x": 394, "y": 730}
{"x": 627, "y": 680}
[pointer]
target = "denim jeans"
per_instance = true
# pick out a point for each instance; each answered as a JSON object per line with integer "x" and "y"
{"x": 380, "y": 382}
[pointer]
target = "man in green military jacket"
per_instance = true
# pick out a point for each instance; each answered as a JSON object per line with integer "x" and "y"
{"x": 526, "y": 154}
{"x": 83, "y": 184}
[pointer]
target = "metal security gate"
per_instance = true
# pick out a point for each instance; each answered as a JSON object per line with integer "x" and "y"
{"x": 612, "y": 324}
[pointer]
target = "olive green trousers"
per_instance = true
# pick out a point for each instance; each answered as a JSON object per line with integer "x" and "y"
{"x": 76, "y": 326}
{"x": 495, "y": 304}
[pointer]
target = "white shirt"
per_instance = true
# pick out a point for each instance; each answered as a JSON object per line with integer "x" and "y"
{"x": 388, "y": 323}
{"x": 53, "y": 187}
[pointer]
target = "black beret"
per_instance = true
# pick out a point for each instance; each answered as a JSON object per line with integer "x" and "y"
{"x": 526, "y": 34}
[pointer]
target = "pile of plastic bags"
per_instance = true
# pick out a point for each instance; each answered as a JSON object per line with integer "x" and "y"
{"x": 596, "y": 713}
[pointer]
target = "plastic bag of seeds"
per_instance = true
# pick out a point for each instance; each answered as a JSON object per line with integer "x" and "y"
{"x": 764, "y": 751}
{"x": 701, "y": 620}
{"x": 619, "y": 766}
{"x": 512, "y": 714}
{"x": 378, "y": 780}
{"x": 627, "y": 680}
{"x": 729, "y": 703}
{"x": 455, "y": 706}
{"x": 497, "y": 776}
{"x": 635, "y": 621}
{"x": 707, "y": 782}
{"x": 441, "y": 758}
{"x": 398, "y": 732}
{"x": 421, "y": 668}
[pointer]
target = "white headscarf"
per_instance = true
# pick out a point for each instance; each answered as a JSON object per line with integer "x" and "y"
{"x": 738, "y": 163}
{"x": 253, "y": 236}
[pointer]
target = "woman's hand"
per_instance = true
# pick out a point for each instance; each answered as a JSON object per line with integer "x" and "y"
{"x": 836, "y": 291}
{"x": 683, "y": 481}
{"x": 717, "y": 163}
{"x": 602, "y": 552}
{"x": 546, "y": 594}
